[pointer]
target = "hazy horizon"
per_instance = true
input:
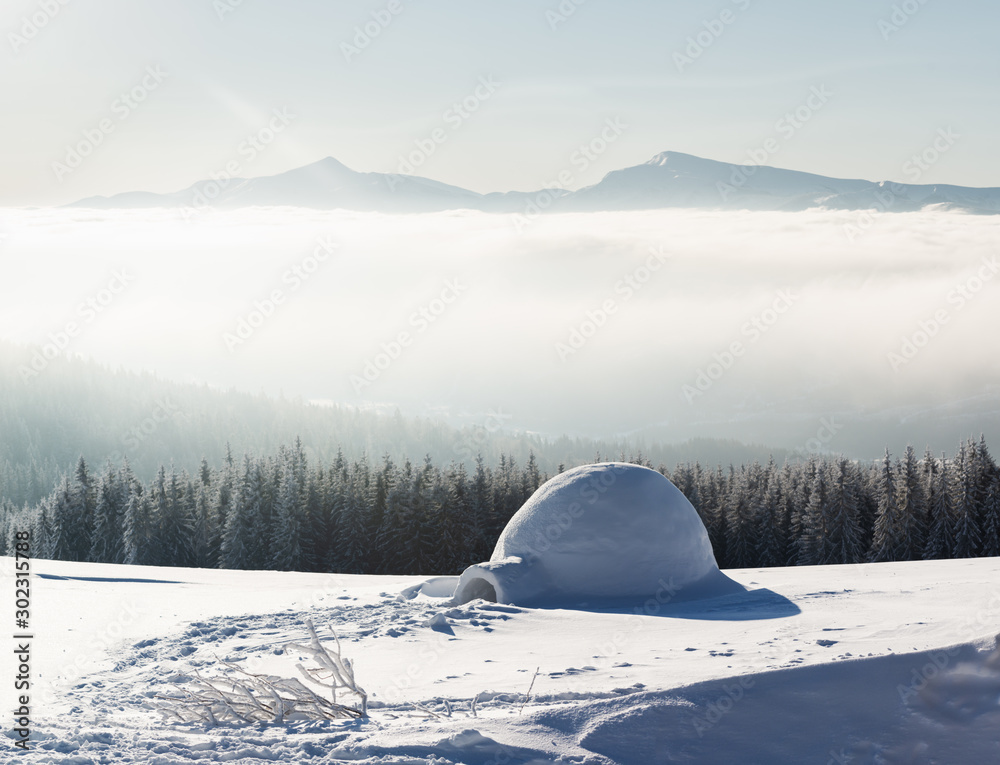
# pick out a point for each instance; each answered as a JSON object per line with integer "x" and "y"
{"x": 744, "y": 171}
{"x": 165, "y": 94}
{"x": 591, "y": 324}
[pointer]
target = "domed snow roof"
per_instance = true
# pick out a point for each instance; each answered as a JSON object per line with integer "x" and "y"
{"x": 599, "y": 533}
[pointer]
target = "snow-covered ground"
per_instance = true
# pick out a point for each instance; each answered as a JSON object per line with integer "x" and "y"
{"x": 881, "y": 663}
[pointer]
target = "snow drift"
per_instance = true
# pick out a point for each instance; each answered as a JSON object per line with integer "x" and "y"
{"x": 610, "y": 533}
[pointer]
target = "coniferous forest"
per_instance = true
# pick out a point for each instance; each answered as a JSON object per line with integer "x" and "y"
{"x": 356, "y": 516}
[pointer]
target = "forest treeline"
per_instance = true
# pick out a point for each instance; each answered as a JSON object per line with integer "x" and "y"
{"x": 75, "y": 407}
{"x": 352, "y": 516}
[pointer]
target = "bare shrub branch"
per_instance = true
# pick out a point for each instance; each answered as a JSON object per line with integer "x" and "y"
{"x": 241, "y": 697}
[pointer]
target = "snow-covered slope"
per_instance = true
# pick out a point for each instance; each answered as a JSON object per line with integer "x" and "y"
{"x": 889, "y": 663}
{"x": 673, "y": 179}
{"x": 327, "y": 184}
{"x": 670, "y": 179}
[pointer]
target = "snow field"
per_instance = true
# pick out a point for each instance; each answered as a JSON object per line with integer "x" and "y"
{"x": 890, "y": 661}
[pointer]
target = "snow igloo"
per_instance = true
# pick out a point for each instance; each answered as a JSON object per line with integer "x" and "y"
{"x": 604, "y": 534}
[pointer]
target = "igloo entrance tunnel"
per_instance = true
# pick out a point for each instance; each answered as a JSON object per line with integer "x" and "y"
{"x": 600, "y": 534}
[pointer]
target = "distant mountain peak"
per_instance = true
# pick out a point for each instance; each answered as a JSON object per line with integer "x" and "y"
{"x": 670, "y": 179}
{"x": 321, "y": 167}
{"x": 678, "y": 157}
{"x": 683, "y": 163}
{"x": 330, "y": 163}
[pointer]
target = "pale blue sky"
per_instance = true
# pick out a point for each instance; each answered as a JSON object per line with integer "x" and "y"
{"x": 226, "y": 75}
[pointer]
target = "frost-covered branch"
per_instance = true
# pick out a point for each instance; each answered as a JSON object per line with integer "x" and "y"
{"x": 242, "y": 697}
{"x": 334, "y": 671}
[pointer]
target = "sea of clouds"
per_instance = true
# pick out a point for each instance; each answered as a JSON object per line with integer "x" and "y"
{"x": 742, "y": 324}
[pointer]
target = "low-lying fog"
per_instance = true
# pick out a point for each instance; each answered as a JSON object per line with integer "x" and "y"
{"x": 823, "y": 330}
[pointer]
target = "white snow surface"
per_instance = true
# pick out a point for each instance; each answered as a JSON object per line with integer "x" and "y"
{"x": 603, "y": 533}
{"x": 877, "y": 663}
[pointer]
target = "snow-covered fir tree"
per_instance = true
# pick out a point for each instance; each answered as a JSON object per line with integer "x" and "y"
{"x": 106, "y": 544}
{"x": 967, "y": 499}
{"x": 844, "y": 541}
{"x": 282, "y": 512}
{"x": 886, "y": 546}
